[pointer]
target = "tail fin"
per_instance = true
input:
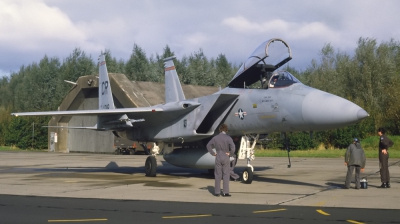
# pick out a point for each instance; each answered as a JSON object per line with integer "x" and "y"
{"x": 173, "y": 88}
{"x": 105, "y": 94}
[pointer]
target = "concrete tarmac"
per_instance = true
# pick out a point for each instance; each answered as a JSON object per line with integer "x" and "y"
{"x": 309, "y": 182}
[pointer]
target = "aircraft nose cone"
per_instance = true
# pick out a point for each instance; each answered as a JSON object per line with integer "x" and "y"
{"x": 361, "y": 114}
{"x": 326, "y": 111}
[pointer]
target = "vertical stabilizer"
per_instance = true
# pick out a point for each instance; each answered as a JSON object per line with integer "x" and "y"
{"x": 105, "y": 95}
{"x": 173, "y": 88}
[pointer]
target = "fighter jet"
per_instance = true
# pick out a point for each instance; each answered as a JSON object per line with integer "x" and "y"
{"x": 260, "y": 99}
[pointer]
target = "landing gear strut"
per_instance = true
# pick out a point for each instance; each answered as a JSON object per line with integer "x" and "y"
{"x": 287, "y": 149}
{"x": 246, "y": 151}
{"x": 145, "y": 149}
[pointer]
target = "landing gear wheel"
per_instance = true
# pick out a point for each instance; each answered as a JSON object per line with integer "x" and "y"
{"x": 151, "y": 166}
{"x": 247, "y": 175}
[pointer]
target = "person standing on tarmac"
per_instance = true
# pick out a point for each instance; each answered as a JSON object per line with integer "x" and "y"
{"x": 384, "y": 144}
{"x": 224, "y": 147}
{"x": 354, "y": 159}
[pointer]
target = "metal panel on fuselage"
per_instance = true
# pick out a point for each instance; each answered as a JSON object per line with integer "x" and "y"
{"x": 254, "y": 112}
{"x": 267, "y": 110}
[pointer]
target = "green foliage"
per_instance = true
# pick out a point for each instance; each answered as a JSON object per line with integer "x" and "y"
{"x": 113, "y": 66}
{"x": 329, "y": 153}
{"x": 301, "y": 141}
{"x": 25, "y": 132}
{"x": 295, "y": 141}
{"x": 370, "y": 78}
{"x": 341, "y": 138}
{"x": 137, "y": 67}
{"x": 371, "y": 143}
{"x": 4, "y": 91}
{"x": 4, "y": 116}
{"x": 7, "y": 148}
{"x": 15, "y": 132}
{"x": 77, "y": 64}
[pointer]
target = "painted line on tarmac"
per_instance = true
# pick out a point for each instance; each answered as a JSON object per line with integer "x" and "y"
{"x": 186, "y": 216}
{"x": 322, "y": 212}
{"x": 77, "y": 220}
{"x": 275, "y": 210}
{"x": 350, "y": 221}
{"x": 355, "y": 222}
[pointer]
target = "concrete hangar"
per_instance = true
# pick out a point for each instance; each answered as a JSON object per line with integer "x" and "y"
{"x": 84, "y": 96}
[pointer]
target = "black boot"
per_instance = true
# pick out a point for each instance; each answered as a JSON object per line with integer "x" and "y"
{"x": 387, "y": 185}
{"x": 383, "y": 185}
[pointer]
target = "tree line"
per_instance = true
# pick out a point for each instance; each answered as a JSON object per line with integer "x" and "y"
{"x": 369, "y": 77}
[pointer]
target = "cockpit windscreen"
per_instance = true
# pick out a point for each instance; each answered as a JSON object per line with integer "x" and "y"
{"x": 282, "y": 79}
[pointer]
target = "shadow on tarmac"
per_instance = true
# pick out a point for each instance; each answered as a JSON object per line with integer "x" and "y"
{"x": 280, "y": 181}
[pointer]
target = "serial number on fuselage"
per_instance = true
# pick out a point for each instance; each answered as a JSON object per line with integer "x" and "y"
{"x": 267, "y": 99}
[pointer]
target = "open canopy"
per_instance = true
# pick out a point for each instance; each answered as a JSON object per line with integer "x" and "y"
{"x": 268, "y": 57}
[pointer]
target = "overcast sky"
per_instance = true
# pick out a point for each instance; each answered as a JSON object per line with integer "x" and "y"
{"x": 30, "y": 29}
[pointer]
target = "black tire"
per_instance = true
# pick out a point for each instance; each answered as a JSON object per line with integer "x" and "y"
{"x": 151, "y": 166}
{"x": 247, "y": 175}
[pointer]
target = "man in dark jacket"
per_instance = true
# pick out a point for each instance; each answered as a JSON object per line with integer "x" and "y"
{"x": 354, "y": 159}
{"x": 224, "y": 148}
{"x": 384, "y": 144}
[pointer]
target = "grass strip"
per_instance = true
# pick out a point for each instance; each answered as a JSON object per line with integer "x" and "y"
{"x": 328, "y": 153}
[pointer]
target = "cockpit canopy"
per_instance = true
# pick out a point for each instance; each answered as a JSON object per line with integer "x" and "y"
{"x": 281, "y": 79}
{"x": 268, "y": 57}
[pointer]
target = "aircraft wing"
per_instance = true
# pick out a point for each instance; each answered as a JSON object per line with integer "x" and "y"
{"x": 91, "y": 112}
{"x": 149, "y": 116}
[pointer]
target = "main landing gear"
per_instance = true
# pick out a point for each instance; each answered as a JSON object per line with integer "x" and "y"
{"x": 151, "y": 166}
{"x": 151, "y": 162}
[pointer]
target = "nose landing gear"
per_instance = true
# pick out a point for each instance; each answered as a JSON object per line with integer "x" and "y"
{"x": 246, "y": 151}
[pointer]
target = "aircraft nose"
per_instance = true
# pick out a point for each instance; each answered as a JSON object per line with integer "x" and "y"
{"x": 361, "y": 114}
{"x": 327, "y": 111}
